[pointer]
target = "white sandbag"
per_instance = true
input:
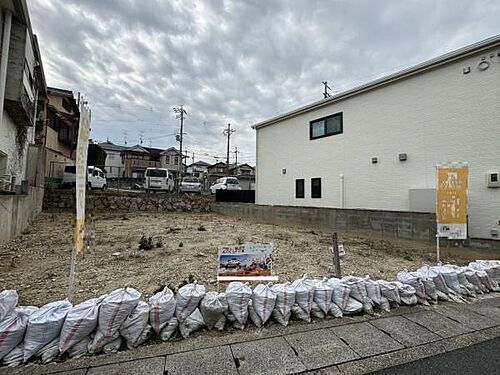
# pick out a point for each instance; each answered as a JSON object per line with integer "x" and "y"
{"x": 169, "y": 330}
{"x": 49, "y": 352}
{"x": 466, "y": 288}
{"x": 114, "y": 309}
{"x": 352, "y": 307}
{"x": 232, "y": 321}
{"x": 439, "y": 281}
{"x": 473, "y": 277}
{"x": 12, "y": 329}
{"x": 450, "y": 277}
{"x": 80, "y": 321}
{"x": 390, "y": 291}
{"x": 300, "y": 314}
{"x": 358, "y": 292}
{"x": 263, "y": 301}
{"x": 237, "y": 296}
{"x": 415, "y": 281}
{"x": 8, "y": 301}
{"x": 341, "y": 293}
{"x": 317, "y": 312}
{"x": 187, "y": 299}
{"x": 373, "y": 290}
{"x": 162, "y": 309}
{"x": 113, "y": 346}
{"x": 133, "y": 326}
{"x": 304, "y": 293}
{"x": 491, "y": 267}
{"x": 79, "y": 349}
{"x": 44, "y": 325}
{"x": 430, "y": 290}
{"x": 406, "y": 293}
{"x": 384, "y": 304}
{"x": 323, "y": 292}
{"x": 192, "y": 323}
{"x": 14, "y": 357}
{"x": 335, "y": 311}
{"x": 285, "y": 298}
{"x": 212, "y": 307}
{"x": 252, "y": 314}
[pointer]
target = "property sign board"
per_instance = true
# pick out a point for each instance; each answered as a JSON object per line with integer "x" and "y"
{"x": 452, "y": 190}
{"x": 251, "y": 261}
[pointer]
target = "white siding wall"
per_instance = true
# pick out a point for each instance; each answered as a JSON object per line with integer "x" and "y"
{"x": 437, "y": 116}
{"x": 114, "y": 165}
{"x": 8, "y": 145}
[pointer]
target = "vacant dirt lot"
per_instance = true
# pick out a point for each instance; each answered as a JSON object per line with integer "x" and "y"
{"x": 37, "y": 263}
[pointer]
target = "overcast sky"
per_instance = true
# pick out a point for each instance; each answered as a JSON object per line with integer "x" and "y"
{"x": 234, "y": 61}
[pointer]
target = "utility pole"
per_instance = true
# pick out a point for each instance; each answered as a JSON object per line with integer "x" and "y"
{"x": 125, "y": 136}
{"x": 228, "y": 133}
{"x": 141, "y": 136}
{"x": 193, "y": 157}
{"x": 236, "y": 152}
{"x": 180, "y": 112}
{"x": 326, "y": 94}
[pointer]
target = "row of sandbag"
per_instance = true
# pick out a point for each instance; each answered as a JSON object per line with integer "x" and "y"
{"x": 104, "y": 324}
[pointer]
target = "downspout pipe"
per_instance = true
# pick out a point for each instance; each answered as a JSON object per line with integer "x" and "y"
{"x": 342, "y": 205}
{"x": 7, "y": 23}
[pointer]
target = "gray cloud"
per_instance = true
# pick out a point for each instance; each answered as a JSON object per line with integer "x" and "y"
{"x": 234, "y": 61}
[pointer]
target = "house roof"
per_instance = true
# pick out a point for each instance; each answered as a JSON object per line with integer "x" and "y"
{"x": 200, "y": 163}
{"x": 221, "y": 163}
{"x": 152, "y": 150}
{"x": 111, "y": 146}
{"x": 170, "y": 149}
{"x": 405, "y": 73}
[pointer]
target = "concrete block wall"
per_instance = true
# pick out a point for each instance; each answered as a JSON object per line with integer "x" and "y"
{"x": 17, "y": 211}
{"x": 392, "y": 224}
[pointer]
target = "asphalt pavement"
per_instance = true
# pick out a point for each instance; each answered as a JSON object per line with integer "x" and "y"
{"x": 479, "y": 359}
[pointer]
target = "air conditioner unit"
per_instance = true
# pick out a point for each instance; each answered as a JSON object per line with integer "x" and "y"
{"x": 493, "y": 179}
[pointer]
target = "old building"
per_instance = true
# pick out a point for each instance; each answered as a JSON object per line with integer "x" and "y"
{"x": 137, "y": 159}
{"x": 171, "y": 159}
{"x": 114, "y": 161}
{"x": 245, "y": 174}
{"x": 198, "y": 168}
{"x": 373, "y": 146}
{"x": 22, "y": 115}
{"x": 61, "y": 132}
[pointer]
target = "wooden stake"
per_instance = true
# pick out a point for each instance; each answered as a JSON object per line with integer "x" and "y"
{"x": 336, "y": 257}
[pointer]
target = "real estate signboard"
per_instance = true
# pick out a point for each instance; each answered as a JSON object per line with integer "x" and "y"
{"x": 251, "y": 261}
{"x": 452, "y": 190}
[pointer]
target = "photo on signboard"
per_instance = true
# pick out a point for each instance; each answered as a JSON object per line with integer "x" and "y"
{"x": 245, "y": 260}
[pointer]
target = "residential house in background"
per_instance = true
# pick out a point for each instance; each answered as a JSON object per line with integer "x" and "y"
{"x": 216, "y": 171}
{"x": 22, "y": 103}
{"x": 137, "y": 158}
{"x": 114, "y": 161}
{"x": 245, "y": 174}
{"x": 61, "y": 132}
{"x": 198, "y": 169}
{"x": 171, "y": 159}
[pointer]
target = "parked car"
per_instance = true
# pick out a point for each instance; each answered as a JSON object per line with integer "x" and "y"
{"x": 96, "y": 178}
{"x": 158, "y": 179}
{"x": 225, "y": 183}
{"x": 190, "y": 185}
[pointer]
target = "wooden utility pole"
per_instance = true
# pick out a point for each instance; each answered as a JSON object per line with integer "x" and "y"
{"x": 335, "y": 254}
{"x": 180, "y": 115}
{"x": 228, "y": 133}
{"x": 236, "y": 152}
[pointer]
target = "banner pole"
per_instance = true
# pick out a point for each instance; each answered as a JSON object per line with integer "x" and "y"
{"x": 438, "y": 255}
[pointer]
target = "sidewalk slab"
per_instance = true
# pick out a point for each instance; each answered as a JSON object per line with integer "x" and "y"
{"x": 217, "y": 360}
{"x": 405, "y": 331}
{"x": 439, "y": 324}
{"x": 320, "y": 348}
{"x": 490, "y": 311}
{"x": 150, "y": 366}
{"x": 81, "y": 371}
{"x": 468, "y": 317}
{"x": 366, "y": 340}
{"x": 268, "y": 356}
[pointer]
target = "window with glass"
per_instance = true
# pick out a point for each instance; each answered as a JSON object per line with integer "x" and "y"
{"x": 325, "y": 126}
{"x": 299, "y": 188}
{"x": 315, "y": 187}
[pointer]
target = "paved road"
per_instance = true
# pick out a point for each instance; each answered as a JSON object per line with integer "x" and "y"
{"x": 482, "y": 358}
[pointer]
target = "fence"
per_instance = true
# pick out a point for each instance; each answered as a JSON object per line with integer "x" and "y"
{"x": 240, "y": 196}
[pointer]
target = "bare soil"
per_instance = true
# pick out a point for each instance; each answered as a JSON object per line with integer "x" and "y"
{"x": 36, "y": 264}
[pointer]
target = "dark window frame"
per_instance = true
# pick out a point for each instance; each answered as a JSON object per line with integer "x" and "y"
{"x": 297, "y": 195}
{"x": 313, "y": 195}
{"x": 324, "y": 119}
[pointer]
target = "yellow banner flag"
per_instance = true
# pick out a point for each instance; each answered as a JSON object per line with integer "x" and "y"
{"x": 452, "y": 190}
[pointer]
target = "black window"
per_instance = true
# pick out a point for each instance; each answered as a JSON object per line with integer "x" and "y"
{"x": 315, "y": 187}
{"x": 326, "y": 126}
{"x": 299, "y": 188}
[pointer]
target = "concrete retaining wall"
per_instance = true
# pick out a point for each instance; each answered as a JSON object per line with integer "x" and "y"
{"x": 16, "y": 212}
{"x": 393, "y": 224}
{"x": 124, "y": 201}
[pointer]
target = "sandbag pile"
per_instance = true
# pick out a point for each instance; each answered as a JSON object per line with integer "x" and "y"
{"x": 121, "y": 320}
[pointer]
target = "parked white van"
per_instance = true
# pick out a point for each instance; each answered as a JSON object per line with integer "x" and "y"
{"x": 158, "y": 179}
{"x": 96, "y": 179}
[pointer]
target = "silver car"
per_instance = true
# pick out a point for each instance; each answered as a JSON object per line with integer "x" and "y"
{"x": 190, "y": 185}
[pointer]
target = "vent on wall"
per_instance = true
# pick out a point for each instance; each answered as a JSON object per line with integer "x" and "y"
{"x": 493, "y": 179}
